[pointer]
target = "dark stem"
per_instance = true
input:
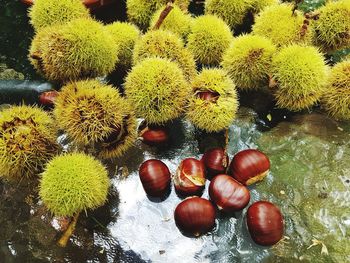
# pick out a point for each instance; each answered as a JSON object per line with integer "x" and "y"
{"x": 164, "y": 14}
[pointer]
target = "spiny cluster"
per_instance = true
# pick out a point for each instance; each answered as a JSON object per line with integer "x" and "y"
{"x": 333, "y": 26}
{"x": 165, "y": 44}
{"x": 27, "y": 141}
{"x": 72, "y": 183}
{"x": 95, "y": 114}
{"x": 233, "y": 12}
{"x": 52, "y": 12}
{"x": 278, "y": 23}
{"x": 301, "y": 76}
{"x": 209, "y": 38}
{"x": 140, "y": 11}
{"x": 177, "y": 21}
{"x": 248, "y": 61}
{"x": 78, "y": 49}
{"x": 157, "y": 88}
{"x": 213, "y": 103}
{"x": 336, "y": 99}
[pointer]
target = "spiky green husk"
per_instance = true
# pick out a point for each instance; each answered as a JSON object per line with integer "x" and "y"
{"x": 27, "y": 141}
{"x": 45, "y": 13}
{"x": 209, "y": 38}
{"x": 177, "y": 21}
{"x": 157, "y": 89}
{"x": 259, "y": 5}
{"x": 213, "y": 116}
{"x": 248, "y": 61}
{"x": 78, "y": 49}
{"x": 336, "y": 99}
{"x": 277, "y": 23}
{"x": 333, "y": 26}
{"x": 125, "y": 36}
{"x": 91, "y": 112}
{"x": 164, "y": 44}
{"x": 231, "y": 11}
{"x": 140, "y": 11}
{"x": 301, "y": 75}
{"x": 72, "y": 183}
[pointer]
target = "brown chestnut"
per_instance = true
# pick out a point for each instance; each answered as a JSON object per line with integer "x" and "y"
{"x": 249, "y": 166}
{"x": 48, "y": 98}
{"x": 189, "y": 178}
{"x": 214, "y": 160}
{"x": 155, "y": 136}
{"x": 265, "y": 223}
{"x": 228, "y": 194}
{"x": 195, "y": 216}
{"x": 155, "y": 177}
{"x": 208, "y": 95}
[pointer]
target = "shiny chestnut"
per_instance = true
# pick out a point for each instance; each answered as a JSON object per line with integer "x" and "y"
{"x": 155, "y": 136}
{"x": 228, "y": 194}
{"x": 265, "y": 223}
{"x": 155, "y": 177}
{"x": 189, "y": 178}
{"x": 249, "y": 166}
{"x": 215, "y": 161}
{"x": 195, "y": 216}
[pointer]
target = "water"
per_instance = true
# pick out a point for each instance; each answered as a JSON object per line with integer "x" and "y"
{"x": 309, "y": 180}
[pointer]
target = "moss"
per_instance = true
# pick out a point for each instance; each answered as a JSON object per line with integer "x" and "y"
{"x": 157, "y": 89}
{"x": 125, "y": 36}
{"x": 52, "y": 12}
{"x": 166, "y": 45}
{"x": 27, "y": 141}
{"x": 209, "y": 39}
{"x": 96, "y": 115}
{"x": 248, "y": 61}
{"x": 301, "y": 75}
{"x": 277, "y": 23}
{"x": 140, "y": 11}
{"x": 177, "y": 21}
{"x": 336, "y": 100}
{"x": 333, "y": 26}
{"x": 79, "y": 49}
{"x": 72, "y": 183}
{"x": 212, "y": 116}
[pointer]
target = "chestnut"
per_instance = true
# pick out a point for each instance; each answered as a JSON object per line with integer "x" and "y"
{"x": 208, "y": 95}
{"x": 214, "y": 160}
{"x": 265, "y": 223}
{"x": 189, "y": 178}
{"x": 155, "y": 177}
{"x": 154, "y": 134}
{"x": 195, "y": 216}
{"x": 228, "y": 194}
{"x": 48, "y": 97}
{"x": 249, "y": 166}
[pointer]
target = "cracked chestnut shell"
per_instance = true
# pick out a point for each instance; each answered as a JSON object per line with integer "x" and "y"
{"x": 189, "y": 178}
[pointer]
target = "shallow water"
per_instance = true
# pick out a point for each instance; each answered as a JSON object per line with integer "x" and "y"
{"x": 309, "y": 180}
